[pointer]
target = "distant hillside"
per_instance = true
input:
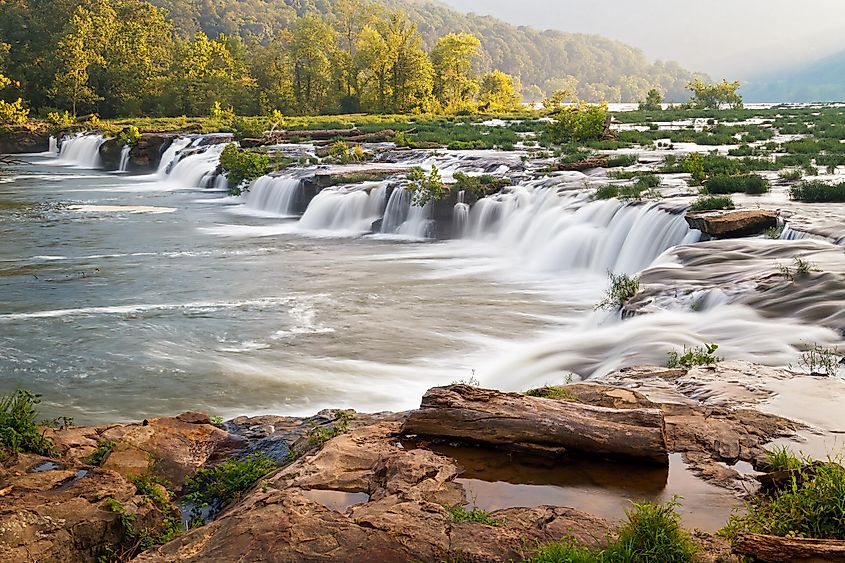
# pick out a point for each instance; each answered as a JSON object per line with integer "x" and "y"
{"x": 820, "y": 81}
{"x": 598, "y": 67}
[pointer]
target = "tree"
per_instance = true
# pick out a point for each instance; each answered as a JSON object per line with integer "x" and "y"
{"x": 350, "y": 19}
{"x": 653, "y": 101}
{"x": 713, "y": 96}
{"x": 312, "y": 50}
{"x": 86, "y": 36}
{"x": 452, "y": 58}
{"x": 499, "y": 92}
{"x": 579, "y": 122}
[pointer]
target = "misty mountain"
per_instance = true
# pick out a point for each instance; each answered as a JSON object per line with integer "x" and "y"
{"x": 819, "y": 81}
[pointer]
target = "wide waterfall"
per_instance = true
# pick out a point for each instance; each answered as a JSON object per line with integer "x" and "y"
{"x": 346, "y": 209}
{"x": 171, "y": 156}
{"x": 82, "y": 150}
{"x": 552, "y": 231}
{"x": 191, "y": 170}
{"x": 274, "y": 195}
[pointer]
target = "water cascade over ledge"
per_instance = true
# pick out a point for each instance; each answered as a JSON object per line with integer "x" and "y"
{"x": 82, "y": 150}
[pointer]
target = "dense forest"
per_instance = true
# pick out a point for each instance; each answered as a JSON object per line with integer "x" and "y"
{"x": 183, "y": 57}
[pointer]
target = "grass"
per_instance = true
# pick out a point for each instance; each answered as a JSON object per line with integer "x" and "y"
{"x": 818, "y": 192}
{"x": 104, "y": 448}
{"x": 819, "y": 360}
{"x": 460, "y": 514}
{"x": 781, "y": 458}
{"x": 791, "y": 174}
{"x": 18, "y": 429}
{"x": 748, "y": 183}
{"x": 622, "y": 160}
{"x": 691, "y": 357}
{"x": 811, "y": 505}
{"x": 553, "y": 392}
{"x": 227, "y": 482}
{"x": 712, "y": 203}
{"x": 622, "y": 288}
{"x": 800, "y": 269}
{"x": 651, "y": 534}
{"x": 322, "y": 434}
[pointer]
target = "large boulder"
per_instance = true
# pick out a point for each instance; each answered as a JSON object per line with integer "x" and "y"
{"x": 734, "y": 223}
{"x": 145, "y": 155}
{"x": 24, "y": 140}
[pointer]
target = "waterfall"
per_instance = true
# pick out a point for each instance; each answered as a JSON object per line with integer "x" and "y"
{"x": 548, "y": 231}
{"x": 171, "y": 155}
{"x": 54, "y": 145}
{"x": 82, "y": 150}
{"x": 401, "y": 217}
{"x": 191, "y": 170}
{"x": 348, "y": 209}
{"x": 460, "y": 216}
{"x": 124, "y": 158}
{"x": 276, "y": 195}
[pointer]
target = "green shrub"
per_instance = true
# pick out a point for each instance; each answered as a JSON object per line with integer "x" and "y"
{"x": 478, "y": 185}
{"x": 818, "y": 192}
{"x": 460, "y": 514}
{"x": 322, "y": 434}
{"x": 225, "y": 483}
{"x": 13, "y": 113}
{"x": 58, "y": 120}
{"x": 698, "y": 356}
{"x": 578, "y": 123}
{"x": 552, "y": 392}
{"x": 622, "y": 160}
{"x": 791, "y": 175}
{"x": 622, "y": 288}
{"x": 819, "y": 360}
{"x": 781, "y": 458}
{"x": 748, "y": 183}
{"x": 137, "y": 538}
{"x": 425, "y": 188}
{"x": 18, "y": 430}
{"x": 811, "y": 505}
{"x": 129, "y": 135}
{"x": 653, "y": 101}
{"x": 712, "y": 203}
{"x": 242, "y": 166}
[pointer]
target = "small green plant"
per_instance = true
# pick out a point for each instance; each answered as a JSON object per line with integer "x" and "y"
{"x": 712, "y": 203}
{"x": 800, "y": 269}
{"x": 622, "y": 160}
{"x": 748, "y": 183}
{"x": 773, "y": 233}
{"x": 129, "y": 136}
{"x": 18, "y": 430}
{"x": 553, "y": 392}
{"x": 460, "y": 514}
{"x": 322, "y": 434}
{"x": 791, "y": 174}
{"x": 227, "y": 482}
{"x": 104, "y": 448}
{"x": 691, "y": 357}
{"x": 217, "y": 421}
{"x": 425, "y": 188}
{"x": 819, "y": 360}
{"x": 622, "y": 288}
{"x": 566, "y": 550}
{"x": 781, "y": 458}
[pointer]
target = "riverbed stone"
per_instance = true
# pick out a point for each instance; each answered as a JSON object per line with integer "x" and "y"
{"x": 733, "y": 223}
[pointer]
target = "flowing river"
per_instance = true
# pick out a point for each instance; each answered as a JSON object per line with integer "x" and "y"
{"x": 127, "y": 296}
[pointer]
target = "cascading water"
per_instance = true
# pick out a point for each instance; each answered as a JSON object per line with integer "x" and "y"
{"x": 402, "y": 217}
{"x": 124, "y": 158}
{"x": 82, "y": 150}
{"x": 460, "y": 216}
{"x": 170, "y": 156}
{"x": 550, "y": 231}
{"x": 274, "y": 195}
{"x": 54, "y": 145}
{"x": 192, "y": 169}
{"x": 348, "y": 209}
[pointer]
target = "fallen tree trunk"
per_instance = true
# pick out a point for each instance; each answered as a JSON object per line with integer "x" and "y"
{"x": 775, "y": 549}
{"x": 519, "y": 422}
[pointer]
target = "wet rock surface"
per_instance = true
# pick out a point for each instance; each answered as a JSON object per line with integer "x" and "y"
{"x": 732, "y": 224}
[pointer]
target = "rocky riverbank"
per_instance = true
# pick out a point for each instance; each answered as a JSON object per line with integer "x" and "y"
{"x": 363, "y": 487}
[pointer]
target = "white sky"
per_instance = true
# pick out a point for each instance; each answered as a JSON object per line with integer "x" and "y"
{"x": 725, "y": 38}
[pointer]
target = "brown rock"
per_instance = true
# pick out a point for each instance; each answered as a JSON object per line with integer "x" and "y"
{"x": 24, "y": 140}
{"x": 733, "y": 224}
{"x": 194, "y": 418}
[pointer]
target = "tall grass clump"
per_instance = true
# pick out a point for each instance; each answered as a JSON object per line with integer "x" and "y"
{"x": 810, "y": 505}
{"x": 712, "y": 203}
{"x": 818, "y": 192}
{"x": 622, "y": 288}
{"x": 748, "y": 183}
{"x": 18, "y": 429}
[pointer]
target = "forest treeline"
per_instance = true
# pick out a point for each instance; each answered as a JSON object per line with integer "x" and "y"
{"x": 130, "y": 57}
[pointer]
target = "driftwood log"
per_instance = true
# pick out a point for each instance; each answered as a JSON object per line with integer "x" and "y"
{"x": 775, "y": 549}
{"x": 531, "y": 424}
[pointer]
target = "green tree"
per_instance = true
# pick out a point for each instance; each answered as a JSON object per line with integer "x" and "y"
{"x": 452, "y": 58}
{"x": 653, "y": 101}
{"x": 350, "y": 19}
{"x": 312, "y": 51}
{"x": 499, "y": 92}
{"x": 713, "y": 96}
{"x": 579, "y": 122}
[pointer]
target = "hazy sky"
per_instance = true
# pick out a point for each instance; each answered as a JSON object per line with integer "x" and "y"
{"x": 725, "y": 38}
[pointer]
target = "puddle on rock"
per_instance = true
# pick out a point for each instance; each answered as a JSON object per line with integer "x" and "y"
{"x": 45, "y": 466}
{"x": 336, "y": 500}
{"x": 495, "y": 480}
{"x": 69, "y": 482}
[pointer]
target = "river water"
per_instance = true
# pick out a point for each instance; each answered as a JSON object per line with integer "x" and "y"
{"x": 126, "y": 297}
